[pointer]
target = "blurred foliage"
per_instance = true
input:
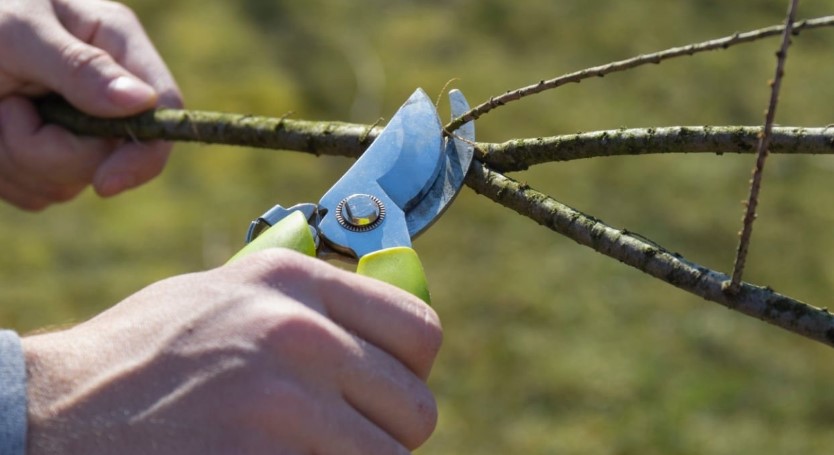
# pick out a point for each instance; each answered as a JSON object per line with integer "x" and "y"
{"x": 550, "y": 348}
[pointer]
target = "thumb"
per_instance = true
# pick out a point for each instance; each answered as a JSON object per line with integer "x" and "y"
{"x": 88, "y": 77}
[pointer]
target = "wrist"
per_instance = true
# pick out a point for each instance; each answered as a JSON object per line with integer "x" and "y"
{"x": 55, "y": 376}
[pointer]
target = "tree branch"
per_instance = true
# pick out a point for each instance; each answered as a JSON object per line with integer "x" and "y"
{"x": 758, "y": 302}
{"x": 319, "y": 138}
{"x": 351, "y": 139}
{"x": 622, "y": 65}
{"x": 519, "y": 154}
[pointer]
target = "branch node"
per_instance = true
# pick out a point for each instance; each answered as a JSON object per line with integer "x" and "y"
{"x": 363, "y": 138}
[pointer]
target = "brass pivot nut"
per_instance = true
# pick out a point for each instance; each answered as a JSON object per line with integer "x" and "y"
{"x": 360, "y": 212}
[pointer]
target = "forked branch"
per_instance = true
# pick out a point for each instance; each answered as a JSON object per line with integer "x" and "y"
{"x": 752, "y": 203}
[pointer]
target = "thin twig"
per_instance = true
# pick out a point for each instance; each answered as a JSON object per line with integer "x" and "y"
{"x": 761, "y": 154}
{"x": 443, "y": 90}
{"x": 634, "y": 250}
{"x": 654, "y": 58}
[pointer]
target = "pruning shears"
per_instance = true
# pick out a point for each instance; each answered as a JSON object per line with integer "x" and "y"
{"x": 401, "y": 184}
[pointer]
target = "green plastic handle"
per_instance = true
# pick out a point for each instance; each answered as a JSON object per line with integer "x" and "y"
{"x": 292, "y": 232}
{"x": 399, "y": 266}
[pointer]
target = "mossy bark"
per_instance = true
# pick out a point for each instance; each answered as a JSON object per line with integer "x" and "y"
{"x": 320, "y": 138}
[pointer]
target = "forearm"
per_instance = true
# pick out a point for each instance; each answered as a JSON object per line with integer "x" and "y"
{"x": 12, "y": 395}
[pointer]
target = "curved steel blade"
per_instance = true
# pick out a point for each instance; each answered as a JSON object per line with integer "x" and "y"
{"x": 398, "y": 169}
{"x": 458, "y": 152}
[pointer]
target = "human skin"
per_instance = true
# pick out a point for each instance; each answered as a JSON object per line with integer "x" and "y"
{"x": 275, "y": 353}
{"x": 95, "y": 54}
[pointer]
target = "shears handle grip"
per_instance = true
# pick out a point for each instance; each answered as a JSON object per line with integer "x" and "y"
{"x": 399, "y": 266}
{"x": 292, "y": 232}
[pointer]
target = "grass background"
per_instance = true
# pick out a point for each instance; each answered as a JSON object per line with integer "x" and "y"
{"x": 550, "y": 347}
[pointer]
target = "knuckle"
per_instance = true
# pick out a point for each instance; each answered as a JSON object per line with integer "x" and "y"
{"x": 118, "y": 11}
{"x": 297, "y": 328}
{"x": 432, "y": 331}
{"x": 275, "y": 266}
{"x": 427, "y": 340}
{"x": 425, "y": 419}
{"x": 301, "y": 335}
{"x": 79, "y": 58}
{"x": 13, "y": 23}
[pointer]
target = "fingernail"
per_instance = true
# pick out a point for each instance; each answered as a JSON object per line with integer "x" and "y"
{"x": 131, "y": 93}
{"x": 117, "y": 183}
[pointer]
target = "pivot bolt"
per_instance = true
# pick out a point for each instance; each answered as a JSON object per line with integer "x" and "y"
{"x": 360, "y": 212}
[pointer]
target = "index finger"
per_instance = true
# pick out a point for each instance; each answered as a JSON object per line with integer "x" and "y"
{"x": 390, "y": 318}
{"x": 114, "y": 28}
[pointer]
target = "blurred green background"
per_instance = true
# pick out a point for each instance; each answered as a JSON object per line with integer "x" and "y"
{"x": 550, "y": 347}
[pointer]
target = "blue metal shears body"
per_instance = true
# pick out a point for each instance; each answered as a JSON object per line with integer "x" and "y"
{"x": 401, "y": 184}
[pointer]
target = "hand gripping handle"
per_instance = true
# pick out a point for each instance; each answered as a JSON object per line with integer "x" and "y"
{"x": 399, "y": 266}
